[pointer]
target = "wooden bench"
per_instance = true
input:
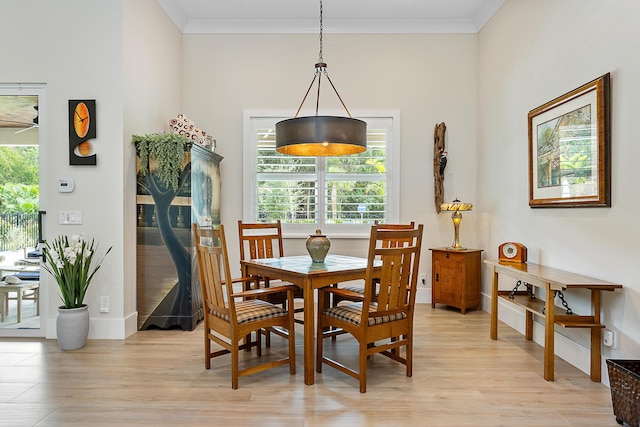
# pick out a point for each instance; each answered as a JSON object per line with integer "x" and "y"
{"x": 550, "y": 280}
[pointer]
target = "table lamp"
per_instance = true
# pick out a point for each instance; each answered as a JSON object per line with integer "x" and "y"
{"x": 456, "y": 207}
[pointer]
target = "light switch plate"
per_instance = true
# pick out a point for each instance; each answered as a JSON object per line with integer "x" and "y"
{"x": 70, "y": 217}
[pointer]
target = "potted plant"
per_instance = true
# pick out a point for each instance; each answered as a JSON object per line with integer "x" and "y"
{"x": 72, "y": 264}
{"x": 163, "y": 156}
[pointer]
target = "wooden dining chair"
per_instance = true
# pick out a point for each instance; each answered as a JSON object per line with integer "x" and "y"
{"x": 231, "y": 316}
{"x": 264, "y": 240}
{"x": 358, "y": 288}
{"x": 385, "y": 325}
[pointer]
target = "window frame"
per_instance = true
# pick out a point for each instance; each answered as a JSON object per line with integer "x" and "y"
{"x": 251, "y": 119}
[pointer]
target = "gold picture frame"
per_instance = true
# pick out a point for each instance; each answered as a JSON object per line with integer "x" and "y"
{"x": 570, "y": 149}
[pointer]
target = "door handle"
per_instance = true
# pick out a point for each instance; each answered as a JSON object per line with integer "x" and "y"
{"x": 40, "y": 239}
{"x": 40, "y": 215}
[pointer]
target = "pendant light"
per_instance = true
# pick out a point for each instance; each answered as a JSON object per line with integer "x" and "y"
{"x": 321, "y": 135}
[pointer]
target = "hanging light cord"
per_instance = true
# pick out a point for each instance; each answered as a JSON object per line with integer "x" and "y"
{"x": 321, "y": 68}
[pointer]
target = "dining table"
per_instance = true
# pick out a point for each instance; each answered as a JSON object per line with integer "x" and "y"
{"x": 308, "y": 275}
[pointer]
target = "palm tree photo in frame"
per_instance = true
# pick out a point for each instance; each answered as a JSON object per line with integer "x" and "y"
{"x": 570, "y": 149}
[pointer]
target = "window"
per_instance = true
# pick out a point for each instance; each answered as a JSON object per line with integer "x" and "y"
{"x": 339, "y": 195}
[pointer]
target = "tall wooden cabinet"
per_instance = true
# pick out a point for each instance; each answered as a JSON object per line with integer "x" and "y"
{"x": 168, "y": 291}
{"x": 456, "y": 278}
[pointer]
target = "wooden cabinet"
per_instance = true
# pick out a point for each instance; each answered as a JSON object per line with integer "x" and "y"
{"x": 168, "y": 290}
{"x": 456, "y": 278}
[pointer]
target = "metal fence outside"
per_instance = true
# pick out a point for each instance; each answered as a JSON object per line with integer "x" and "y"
{"x": 18, "y": 231}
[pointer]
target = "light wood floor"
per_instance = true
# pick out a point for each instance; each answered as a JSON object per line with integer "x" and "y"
{"x": 157, "y": 378}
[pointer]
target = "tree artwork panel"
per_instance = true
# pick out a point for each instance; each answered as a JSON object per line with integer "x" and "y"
{"x": 566, "y": 152}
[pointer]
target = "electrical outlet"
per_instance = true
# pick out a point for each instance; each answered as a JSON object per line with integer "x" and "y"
{"x": 422, "y": 279}
{"x": 609, "y": 338}
{"x": 104, "y": 304}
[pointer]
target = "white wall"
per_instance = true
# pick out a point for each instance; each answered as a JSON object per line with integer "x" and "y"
{"x": 127, "y": 56}
{"x": 530, "y": 53}
{"x": 429, "y": 78}
{"x": 152, "y": 52}
{"x": 77, "y": 52}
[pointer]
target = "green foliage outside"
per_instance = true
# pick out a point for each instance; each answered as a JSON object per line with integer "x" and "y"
{"x": 294, "y": 200}
{"x": 19, "y": 165}
{"x": 19, "y": 197}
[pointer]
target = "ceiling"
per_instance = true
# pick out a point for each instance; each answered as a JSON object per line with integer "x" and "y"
{"x": 18, "y": 111}
{"x": 339, "y": 16}
{"x": 301, "y": 16}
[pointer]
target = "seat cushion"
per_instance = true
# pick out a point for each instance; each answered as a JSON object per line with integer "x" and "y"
{"x": 253, "y": 310}
{"x": 356, "y": 289}
{"x": 25, "y": 275}
{"x": 352, "y": 313}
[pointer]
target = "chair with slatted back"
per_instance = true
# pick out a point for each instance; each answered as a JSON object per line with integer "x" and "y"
{"x": 382, "y": 326}
{"x": 264, "y": 240}
{"x": 360, "y": 288}
{"x": 230, "y": 316}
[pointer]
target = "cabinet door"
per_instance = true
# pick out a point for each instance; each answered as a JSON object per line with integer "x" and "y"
{"x": 448, "y": 286}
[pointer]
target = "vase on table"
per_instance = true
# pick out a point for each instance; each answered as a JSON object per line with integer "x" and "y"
{"x": 318, "y": 246}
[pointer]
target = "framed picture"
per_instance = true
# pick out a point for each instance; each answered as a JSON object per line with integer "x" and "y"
{"x": 570, "y": 149}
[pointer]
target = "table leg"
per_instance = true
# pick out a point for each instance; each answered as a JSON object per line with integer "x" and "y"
{"x": 596, "y": 337}
{"x": 5, "y": 306}
{"x": 494, "y": 306}
{"x": 20, "y": 304}
{"x": 309, "y": 333}
{"x": 549, "y": 350}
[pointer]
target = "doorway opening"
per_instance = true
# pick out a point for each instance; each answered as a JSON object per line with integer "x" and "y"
{"x": 20, "y": 206}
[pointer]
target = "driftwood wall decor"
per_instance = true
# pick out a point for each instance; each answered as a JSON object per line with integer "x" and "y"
{"x": 439, "y": 164}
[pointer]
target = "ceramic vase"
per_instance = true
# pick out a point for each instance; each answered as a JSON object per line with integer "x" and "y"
{"x": 72, "y": 327}
{"x": 318, "y": 246}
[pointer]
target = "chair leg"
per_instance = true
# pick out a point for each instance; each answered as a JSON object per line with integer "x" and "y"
{"x": 409, "y": 355}
{"x": 292, "y": 348}
{"x": 234, "y": 363}
{"x": 319, "y": 348}
{"x": 207, "y": 348}
{"x": 259, "y": 342}
{"x": 334, "y": 303}
{"x": 267, "y": 339}
{"x": 363, "y": 367}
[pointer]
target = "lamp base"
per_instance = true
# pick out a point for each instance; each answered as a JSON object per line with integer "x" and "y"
{"x": 456, "y": 216}
{"x": 456, "y": 248}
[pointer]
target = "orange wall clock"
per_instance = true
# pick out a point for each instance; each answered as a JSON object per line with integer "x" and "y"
{"x": 82, "y": 128}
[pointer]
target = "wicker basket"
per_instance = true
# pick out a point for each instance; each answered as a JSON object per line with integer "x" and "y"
{"x": 624, "y": 379}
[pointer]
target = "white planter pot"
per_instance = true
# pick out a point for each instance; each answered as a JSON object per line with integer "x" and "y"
{"x": 72, "y": 327}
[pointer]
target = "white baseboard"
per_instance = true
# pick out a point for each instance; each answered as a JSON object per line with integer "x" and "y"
{"x": 101, "y": 328}
{"x": 423, "y": 295}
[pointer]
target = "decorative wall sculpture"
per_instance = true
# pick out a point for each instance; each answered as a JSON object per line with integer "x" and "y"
{"x": 439, "y": 163}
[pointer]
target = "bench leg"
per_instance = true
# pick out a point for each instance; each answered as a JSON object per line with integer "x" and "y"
{"x": 549, "y": 350}
{"x": 596, "y": 337}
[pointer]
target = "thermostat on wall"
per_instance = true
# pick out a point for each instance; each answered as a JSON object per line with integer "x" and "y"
{"x": 66, "y": 185}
